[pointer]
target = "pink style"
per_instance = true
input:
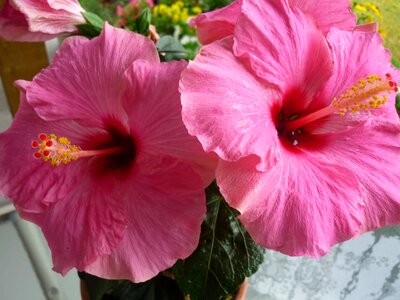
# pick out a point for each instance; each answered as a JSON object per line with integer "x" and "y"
{"x": 39, "y": 20}
{"x": 303, "y": 119}
{"x": 110, "y": 173}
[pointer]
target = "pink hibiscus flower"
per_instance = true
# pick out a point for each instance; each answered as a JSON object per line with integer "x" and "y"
{"x": 39, "y": 20}
{"x": 305, "y": 126}
{"x": 220, "y": 23}
{"x": 117, "y": 185}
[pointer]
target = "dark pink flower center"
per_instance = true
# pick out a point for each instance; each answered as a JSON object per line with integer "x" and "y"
{"x": 125, "y": 147}
{"x": 111, "y": 151}
{"x": 368, "y": 93}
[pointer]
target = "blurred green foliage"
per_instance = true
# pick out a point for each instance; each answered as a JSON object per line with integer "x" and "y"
{"x": 368, "y": 12}
{"x": 389, "y": 22}
{"x": 104, "y": 9}
{"x": 170, "y": 17}
{"x": 206, "y": 5}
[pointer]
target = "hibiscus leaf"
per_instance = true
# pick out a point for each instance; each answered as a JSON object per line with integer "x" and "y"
{"x": 97, "y": 286}
{"x": 226, "y": 254}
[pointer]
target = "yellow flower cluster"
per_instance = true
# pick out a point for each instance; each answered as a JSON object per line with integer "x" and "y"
{"x": 368, "y": 12}
{"x": 370, "y": 9}
{"x": 177, "y": 12}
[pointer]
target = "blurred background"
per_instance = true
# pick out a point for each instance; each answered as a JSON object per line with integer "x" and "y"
{"x": 366, "y": 268}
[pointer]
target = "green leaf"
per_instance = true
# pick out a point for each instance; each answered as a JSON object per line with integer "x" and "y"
{"x": 93, "y": 20}
{"x": 225, "y": 256}
{"x": 209, "y": 5}
{"x": 93, "y": 26}
{"x": 143, "y": 21}
{"x": 97, "y": 286}
{"x": 105, "y": 10}
{"x": 171, "y": 48}
{"x": 398, "y": 101}
{"x": 88, "y": 30}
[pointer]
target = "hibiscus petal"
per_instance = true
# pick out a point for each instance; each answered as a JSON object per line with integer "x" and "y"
{"x": 156, "y": 238}
{"x": 302, "y": 206}
{"x": 39, "y": 189}
{"x": 357, "y": 54}
{"x": 227, "y": 107}
{"x": 59, "y": 93}
{"x": 14, "y": 26}
{"x": 80, "y": 216}
{"x": 67, "y": 5}
{"x": 217, "y": 24}
{"x": 43, "y": 18}
{"x": 372, "y": 152}
{"x": 367, "y": 27}
{"x": 283, "y": 46}
{"x": 156, "y": 113}
{"x": 89, "y": 222}
{"x": 328, "y": 13}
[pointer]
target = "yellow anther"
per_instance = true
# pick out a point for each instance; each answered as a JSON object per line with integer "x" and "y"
{"x": 365, "y": 94}
{"x": 368, "y": 93}
{"x": 64, "y": 141}
{"x": 55, "y": 150}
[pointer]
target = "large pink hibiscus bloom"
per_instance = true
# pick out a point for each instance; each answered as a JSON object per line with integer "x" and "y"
{"x": 305, "y": 126}
{"x": 39, "y": 20}
{"x": 117, "y": 185}
{"x": 214, "y": 25}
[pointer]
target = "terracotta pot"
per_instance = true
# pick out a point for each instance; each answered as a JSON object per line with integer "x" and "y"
{"x": 84, "y": 292}
{"x": 240, "y": 294}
